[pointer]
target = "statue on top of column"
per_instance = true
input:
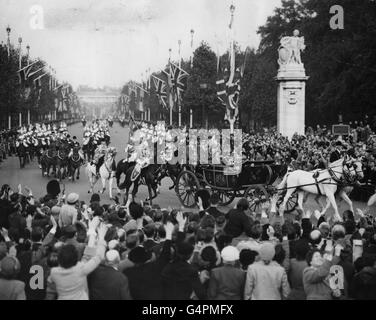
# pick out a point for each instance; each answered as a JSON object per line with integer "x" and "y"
{"x": 290, "y": 48}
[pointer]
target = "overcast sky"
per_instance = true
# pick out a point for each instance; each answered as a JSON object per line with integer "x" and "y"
{"x": 108, "y": 42}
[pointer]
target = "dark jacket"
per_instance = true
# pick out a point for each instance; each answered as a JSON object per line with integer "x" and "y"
{"x": 106, "y": 283}
{"x": 363, "y": 286}
{"x": 145, "y": 281}
{"x": 238, "y": 223}
{"x": 181, "y": 279}
{"x": 5, "y": 210}
{"x": 226, "y": 283}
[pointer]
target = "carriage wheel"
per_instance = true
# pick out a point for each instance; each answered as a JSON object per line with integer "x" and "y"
{"x": 226, "y": 197}
{"x": 186, "y": 187}
{"x": 256, "y": 196}
{"x": 291, "y": 204}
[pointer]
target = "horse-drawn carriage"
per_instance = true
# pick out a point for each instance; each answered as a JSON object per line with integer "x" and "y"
{"x": 255, "y": 183}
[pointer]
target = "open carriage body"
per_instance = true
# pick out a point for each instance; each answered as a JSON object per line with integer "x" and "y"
{"x": 255, "y": 182}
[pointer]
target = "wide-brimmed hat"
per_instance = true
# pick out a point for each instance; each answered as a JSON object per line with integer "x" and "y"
{"x": 72, "y": 198}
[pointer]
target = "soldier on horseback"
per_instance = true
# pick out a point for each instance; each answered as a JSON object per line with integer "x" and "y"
{"x": 75, "y": 144}
{"x": 99, "y": 156}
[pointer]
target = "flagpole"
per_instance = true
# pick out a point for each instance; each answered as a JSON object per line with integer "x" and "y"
{"x": 232, "y": 63}
{"x": 171, "y": 104}
{"x": 20, "y": 53}
{"x": 178, "y": 100}
{"x": 190, "y": 109}
{"x": 20, "y": 65}
{"x": 28, "y": 62}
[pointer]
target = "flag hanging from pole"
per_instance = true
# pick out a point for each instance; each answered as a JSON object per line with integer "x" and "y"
{"x": 24, "y": 73}
{"x": 178, "y": 81}
{"x": 169, "y": 89}
{"x": 160, "y": 89}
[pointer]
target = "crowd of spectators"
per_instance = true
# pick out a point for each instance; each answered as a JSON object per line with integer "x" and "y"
{"x": 58, "y": 247}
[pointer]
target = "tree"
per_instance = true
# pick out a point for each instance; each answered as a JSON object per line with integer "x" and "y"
{"x": 201, "y": 93}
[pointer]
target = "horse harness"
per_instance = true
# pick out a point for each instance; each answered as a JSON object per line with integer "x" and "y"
{"x": 341, "y": 182}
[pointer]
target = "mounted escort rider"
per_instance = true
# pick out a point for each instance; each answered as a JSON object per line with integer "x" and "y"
{"x": 141, "y": 152}
{"x": 75, "y": 144}
{"x": 99, "y": 156}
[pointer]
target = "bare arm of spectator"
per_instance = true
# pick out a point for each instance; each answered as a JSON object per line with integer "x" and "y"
{"x": 4, "y": 234}
{"x": 181, "y": 224}
{"x": 50, "y": 236}
{"x": 165, "y": 255}
{"x": 93, "y": 263}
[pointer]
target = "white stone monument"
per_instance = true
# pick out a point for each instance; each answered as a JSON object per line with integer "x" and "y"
{"x": 291, "y": 86}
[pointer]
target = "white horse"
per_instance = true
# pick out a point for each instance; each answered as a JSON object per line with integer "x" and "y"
{"x": 105, "y": 171}
{"x": 326, "y": 183}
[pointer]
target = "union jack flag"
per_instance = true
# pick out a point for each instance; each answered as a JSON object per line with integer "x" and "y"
{"x": 228, "y": 92}
{"x": 160, "y": 88}
{"x": 124, "y": 99}
{"x": 38, "y": 87}
{"x": 178, "y": 80}
{"x": 24, "y": 73}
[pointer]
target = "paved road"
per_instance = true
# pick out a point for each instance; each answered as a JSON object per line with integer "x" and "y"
{"x": 31, "y": 176}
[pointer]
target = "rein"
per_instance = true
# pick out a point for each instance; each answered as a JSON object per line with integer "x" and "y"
{"x": 58, "y": 155}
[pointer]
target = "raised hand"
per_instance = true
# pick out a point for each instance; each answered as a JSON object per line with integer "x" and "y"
{"x": 181, "y": 219}
{"x": 169, "y": 227}
{"x": 4, "y": 232}
{"x": 102, "y": 230}
{"x": 53, "y": 221}
{"x": 94, "y": 223}
{"x": 28, "y": 190}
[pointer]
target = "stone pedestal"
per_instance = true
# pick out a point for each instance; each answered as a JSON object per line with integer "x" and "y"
{"x": 291, "y": 100}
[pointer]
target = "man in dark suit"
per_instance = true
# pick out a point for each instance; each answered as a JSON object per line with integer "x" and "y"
{"x": 237, "y": 221}
{"x": 336, "y": 153}
{"x": 145, "y": 277}
{"x": 180, "y": 280}
{"x": 227, "y": 282}
{"x": 106, "y": 282}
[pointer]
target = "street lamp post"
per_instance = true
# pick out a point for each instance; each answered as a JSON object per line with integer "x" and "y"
{"x": 20, "y": 53}
{"x": 8, "y": 29}
{"x": 28, "y": 53}
{"x": 28, "y": 61}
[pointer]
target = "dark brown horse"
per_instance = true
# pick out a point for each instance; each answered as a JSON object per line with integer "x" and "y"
{"x": 151, "y": 176}
{"x": 48, "y": 160}
{"x": 74, "y": 164}
{"x": 62, "y": 161}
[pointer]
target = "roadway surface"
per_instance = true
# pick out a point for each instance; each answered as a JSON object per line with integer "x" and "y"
{"x": 31, "y": 176}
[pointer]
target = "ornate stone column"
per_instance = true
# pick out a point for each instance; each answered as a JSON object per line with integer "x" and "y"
{"x": 291, "y": 87}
